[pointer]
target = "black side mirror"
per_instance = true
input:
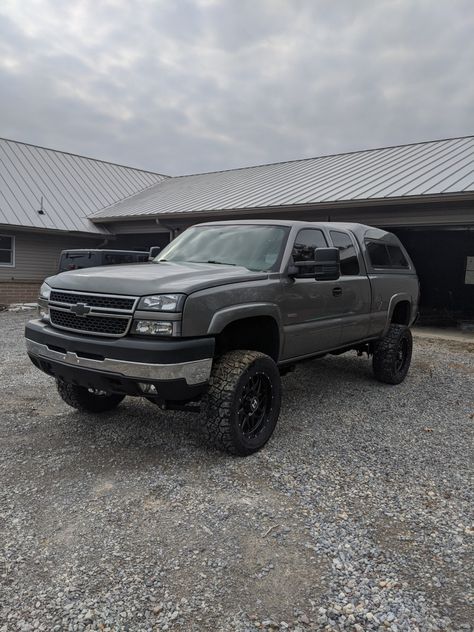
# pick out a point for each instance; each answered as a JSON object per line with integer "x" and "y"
{"x": 154, "y": 252}
{"x": 327, "y": 264}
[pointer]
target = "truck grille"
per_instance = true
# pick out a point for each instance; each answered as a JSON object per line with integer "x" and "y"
{"x": 96, "y": 314}
{"x": 125, "y": 303}
{"x": 105, "y": 325}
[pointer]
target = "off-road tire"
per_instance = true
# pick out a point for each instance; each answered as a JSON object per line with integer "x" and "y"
{"x": 84, "y": 400}
{"x": 233, "y": 374}
{"x": 392, "y": 355}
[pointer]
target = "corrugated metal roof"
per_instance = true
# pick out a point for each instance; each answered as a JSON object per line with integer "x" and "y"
{"x": 421, "y": 169}
{"x": 72, "y": 187}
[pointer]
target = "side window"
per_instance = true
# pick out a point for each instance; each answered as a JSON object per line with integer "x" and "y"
{"x": 7, "y": 250}
{"x": 397, "y": 258}
{"x": 349, "y": 261}
{"x": 305, "y": 243}
{"x": 378, "y": 254}
{"x": 383, "y": 255}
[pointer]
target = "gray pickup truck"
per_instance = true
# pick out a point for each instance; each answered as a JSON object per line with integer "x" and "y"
{"x": 226, "y": 309}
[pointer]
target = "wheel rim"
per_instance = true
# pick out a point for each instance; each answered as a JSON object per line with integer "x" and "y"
{"x": 255, "y": 405}
{"x": 97, "y": 392}
{"x": 402, "y": 354}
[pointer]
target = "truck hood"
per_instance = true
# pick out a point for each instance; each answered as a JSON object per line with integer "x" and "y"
{"x": 152, "y": 278}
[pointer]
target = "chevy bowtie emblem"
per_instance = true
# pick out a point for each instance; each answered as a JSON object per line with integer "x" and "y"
{"x": 80, "y": 309}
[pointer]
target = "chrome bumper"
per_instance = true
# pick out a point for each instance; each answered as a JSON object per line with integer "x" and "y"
{"x": 194, "y": 372}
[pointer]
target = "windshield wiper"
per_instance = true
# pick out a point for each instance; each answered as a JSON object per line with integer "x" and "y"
{"x": 219, "y": 263}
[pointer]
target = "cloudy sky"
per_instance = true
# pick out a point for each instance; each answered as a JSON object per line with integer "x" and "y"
{"x": 182, "y": 86}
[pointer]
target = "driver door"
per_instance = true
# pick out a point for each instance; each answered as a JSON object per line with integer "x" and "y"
{"x": 310, "y": 309}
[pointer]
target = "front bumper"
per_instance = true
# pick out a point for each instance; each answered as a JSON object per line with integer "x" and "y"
{"x": 179, "y": 369}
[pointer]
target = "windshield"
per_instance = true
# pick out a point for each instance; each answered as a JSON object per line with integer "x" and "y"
{"x": 252, "y": 246}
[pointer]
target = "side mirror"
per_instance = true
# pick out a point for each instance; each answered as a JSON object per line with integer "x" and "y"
{"x": 154, "y": 252}
{"x": 327, "y": 264}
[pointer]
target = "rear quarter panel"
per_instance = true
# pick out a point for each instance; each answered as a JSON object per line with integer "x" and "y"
{"x": 388, "y": 289}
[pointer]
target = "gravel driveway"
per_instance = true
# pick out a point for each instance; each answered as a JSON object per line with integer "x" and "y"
{"x": 356, "y": 516}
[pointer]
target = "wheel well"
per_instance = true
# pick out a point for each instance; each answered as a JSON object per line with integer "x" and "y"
{"x": 401, "y": 313}
{"x": 259, "y": 333}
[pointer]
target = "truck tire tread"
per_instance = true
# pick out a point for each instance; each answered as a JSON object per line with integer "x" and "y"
{"x": 225, "y": 376}
{"x": 386, "y": 349}
{"x": 82, "y": 399}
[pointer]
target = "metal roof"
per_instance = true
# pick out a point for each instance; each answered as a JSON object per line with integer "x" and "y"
{"x": 71, "y": 187}
{"x": 420, "y": 170}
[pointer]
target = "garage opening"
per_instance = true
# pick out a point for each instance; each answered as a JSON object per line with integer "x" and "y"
{"x": 444, "y": 260}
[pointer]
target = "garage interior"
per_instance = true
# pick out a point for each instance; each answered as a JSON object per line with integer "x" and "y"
{"x": 444, "y": 261}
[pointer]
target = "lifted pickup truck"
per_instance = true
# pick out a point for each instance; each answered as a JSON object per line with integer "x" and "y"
{"x": 225, "y": 310}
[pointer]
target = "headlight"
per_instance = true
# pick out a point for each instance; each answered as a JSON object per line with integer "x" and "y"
{"x": 162, "y": 302}
{"x": 153, "y": 327}
{"x": 45, "y": 292}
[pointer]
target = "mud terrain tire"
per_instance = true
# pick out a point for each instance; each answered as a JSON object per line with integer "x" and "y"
{"x": 85, "y": 400}
{"x": 392, "y": 355}
{"x": 243, "y": 402}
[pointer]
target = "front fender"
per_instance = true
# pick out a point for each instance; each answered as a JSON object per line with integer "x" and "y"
{"x": 227, "y": 315}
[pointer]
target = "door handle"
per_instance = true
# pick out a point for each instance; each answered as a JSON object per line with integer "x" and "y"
{"x": 337, "y": 291}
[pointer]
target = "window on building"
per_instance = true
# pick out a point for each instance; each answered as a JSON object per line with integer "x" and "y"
{"x": 347, "y": 251}
{"x": 383, "y": 255}
{"x": 306, "y": 242}
{"x": 7, "y": 250}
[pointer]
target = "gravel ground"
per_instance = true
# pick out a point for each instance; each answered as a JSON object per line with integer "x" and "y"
{"x": 356, "y": 516}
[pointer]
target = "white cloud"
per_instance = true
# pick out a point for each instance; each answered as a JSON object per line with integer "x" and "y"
{"x": 193, "y": 85}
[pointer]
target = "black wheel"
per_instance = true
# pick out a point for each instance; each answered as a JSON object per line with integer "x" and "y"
{"x": 392, "y": 355}
{"x": 87, "y": 400}
{"x": 243, "y": 402}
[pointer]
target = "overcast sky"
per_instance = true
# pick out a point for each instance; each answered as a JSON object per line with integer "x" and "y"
{"x": 182, "y": 86}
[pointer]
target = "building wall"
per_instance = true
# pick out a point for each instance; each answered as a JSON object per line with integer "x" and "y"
{"x": 36, "y": 257}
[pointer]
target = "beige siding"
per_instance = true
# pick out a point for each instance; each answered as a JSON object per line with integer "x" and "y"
{"x": 133, "y": 227}
{"x": 37, "y": 255}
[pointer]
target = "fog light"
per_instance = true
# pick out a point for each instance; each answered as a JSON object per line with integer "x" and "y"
{"x": 147, "y": 389}
{"x": 43, "y": 312}
{"x": 153, "y": 327}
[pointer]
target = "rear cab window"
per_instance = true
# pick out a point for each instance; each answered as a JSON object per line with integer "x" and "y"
{"x": 348, "y": 253}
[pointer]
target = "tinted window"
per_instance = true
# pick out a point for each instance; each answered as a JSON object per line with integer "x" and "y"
{"x": 115, "y": 259}
{"x": 383, "y": 255}
{"x": 349, "y": 261}
{"x": 397, "y": 258}
{"x": 378, "y": 254}
{"x": 79, "y": 260}
{"x": 306, "y": 242}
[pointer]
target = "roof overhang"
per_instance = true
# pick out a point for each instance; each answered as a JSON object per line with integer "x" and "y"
{"x": 327, "y": 207}
{"x": 105, "y": 233}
